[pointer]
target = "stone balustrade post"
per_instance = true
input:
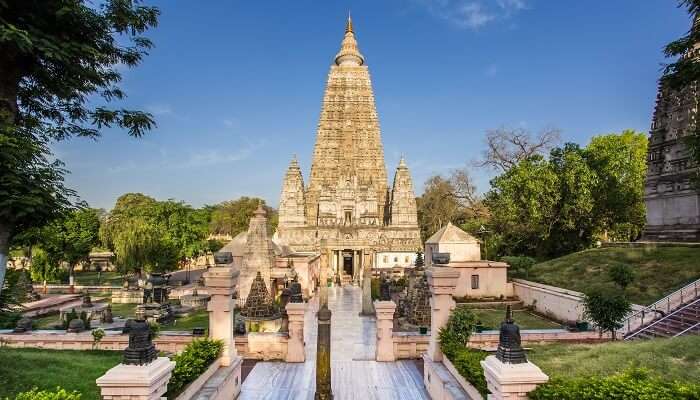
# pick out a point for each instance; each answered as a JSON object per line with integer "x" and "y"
{"x": 385, "y": 330}
{"x": 511, "y": 381}
{"x": 136, "y": 382}
{"x": 442, "y": 282}
{"x": 295, "y": 344}
{"x": 220, "y": 283}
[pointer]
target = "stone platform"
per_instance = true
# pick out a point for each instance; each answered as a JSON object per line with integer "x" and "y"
{"x": 355, "y": 374}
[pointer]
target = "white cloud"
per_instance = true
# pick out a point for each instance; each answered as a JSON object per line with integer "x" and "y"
{"x": 473, "y": 14}
{"x": 159, "y": 109}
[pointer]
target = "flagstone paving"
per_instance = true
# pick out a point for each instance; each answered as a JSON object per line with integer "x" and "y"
{"x": 355, "y": 374}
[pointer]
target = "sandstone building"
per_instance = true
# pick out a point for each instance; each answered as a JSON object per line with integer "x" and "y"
{"x": 348, "y": 204}
{"x": 673, "y": 205}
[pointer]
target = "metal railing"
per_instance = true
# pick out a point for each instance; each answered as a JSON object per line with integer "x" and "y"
{"x": 696, "y": 302}
{"x": 660, "y": 308}
{"x": 686, "y": 330}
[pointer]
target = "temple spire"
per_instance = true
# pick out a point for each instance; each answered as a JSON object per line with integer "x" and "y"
{"x": 349, "y": 54}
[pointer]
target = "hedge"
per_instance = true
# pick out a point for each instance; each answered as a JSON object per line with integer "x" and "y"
{"x": 58, "y": 394}
{"x": 193, "y": 362}
{"x": 633, "y": 384}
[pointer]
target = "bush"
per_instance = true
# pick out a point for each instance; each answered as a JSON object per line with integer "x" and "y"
{"x": 468, "y": 364}
{"x": 375, "y": 288}
{"x": 621, "y": 274}
{"x": 519, "y": 266}
{"x": 634, "y": 384}
{"x": 458, "y": 329}
{"x": 58, "y": 394}
{"x": 192, "y": 362}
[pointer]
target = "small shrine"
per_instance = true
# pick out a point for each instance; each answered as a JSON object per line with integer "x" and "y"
{"x": 259, "y": 311}
{"x": 155, "y": 305}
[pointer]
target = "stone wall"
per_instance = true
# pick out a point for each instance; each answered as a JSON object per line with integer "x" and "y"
{"x": 84, "y": 341}
{"x": 560, "y": 304}
{"x": 489, "y": 340}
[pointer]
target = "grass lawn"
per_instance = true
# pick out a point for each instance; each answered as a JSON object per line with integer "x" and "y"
{"x": 106, "y": 278}
{"x": 492, "y": 318}
{"x": 197, "y": 319}
{"x": 124, "y": 310}
{"x": 50, "y": 321}
{"x": 670, "y": 359}
{"x": 659, "y": 271}
{"x": 23, "y": 369}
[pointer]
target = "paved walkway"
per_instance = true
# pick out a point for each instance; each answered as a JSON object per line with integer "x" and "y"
{"x": 355, "y": 374}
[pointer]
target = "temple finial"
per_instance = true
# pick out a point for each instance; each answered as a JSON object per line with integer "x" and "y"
{"x": 348, "y": 25}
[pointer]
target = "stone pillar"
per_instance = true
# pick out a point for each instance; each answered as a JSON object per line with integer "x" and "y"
{"x": 511, "y": 381}
{"x": 136, "y": 382}
{"x": 323, "y": 355}
{"x": 442, "y": 282}
{"x": 385, "y": 330}
{"x": 367, "y": 307}
{"x": 220, "y": 283}
{"x": 323, "y": 274}
{"x": 295, "y": 345}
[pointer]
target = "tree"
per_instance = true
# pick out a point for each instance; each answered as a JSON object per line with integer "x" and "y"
{"x": 622, "y": 275}
{"x": 607, "y": 308}
{"x": 619, "y": 161}
{"x": 71, "y": 238}
{"x": 437, "y": 206}
{"x": 58, "y": 59}
{"x": 232, "y": 217}
{"x": 505, "y": 148}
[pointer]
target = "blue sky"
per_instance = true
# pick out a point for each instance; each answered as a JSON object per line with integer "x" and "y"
{"x": 236, "y": 86}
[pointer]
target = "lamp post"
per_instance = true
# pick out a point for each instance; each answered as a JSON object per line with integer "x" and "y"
{"x": 482, "y": 233}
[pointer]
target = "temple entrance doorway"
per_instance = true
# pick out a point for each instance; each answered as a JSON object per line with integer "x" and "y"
{"x": 348, "y": 262}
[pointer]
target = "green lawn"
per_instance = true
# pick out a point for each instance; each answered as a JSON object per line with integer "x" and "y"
{"x": 659, "y": 271}
{"x": 492, "y": 318}
{"x": 23, "y": 369}
{"x": 197, "y": 319}
{"x": 50, "y": 321}
{"x": 124, "y": 310}
{"x": 106, "y": 278}
{"x": 670, "y": 359}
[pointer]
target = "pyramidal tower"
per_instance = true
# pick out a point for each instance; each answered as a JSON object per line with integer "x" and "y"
{"x": 348, "y": 201}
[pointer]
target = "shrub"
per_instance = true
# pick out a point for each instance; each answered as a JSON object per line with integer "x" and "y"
{"x": 606, "y": 307}
{"x": 69, "y": 317}
{"x": 58, "y": 394}
{"x": 468, "y": 364}
{"x": 458, "y": 329}
{"x": 375, "y": 288}
{"x": 621, "y": 274}
{"x": 192, "y": 362}
{"x": 97, "y": 336}
{"x": 633, "y": 384}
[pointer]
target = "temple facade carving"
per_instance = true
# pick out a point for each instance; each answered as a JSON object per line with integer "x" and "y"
{"x": 673, "y": 204}
{"x": 348, "y": 201}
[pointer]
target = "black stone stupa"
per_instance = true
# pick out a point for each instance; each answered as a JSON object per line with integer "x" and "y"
{"x": 509, "y": 349}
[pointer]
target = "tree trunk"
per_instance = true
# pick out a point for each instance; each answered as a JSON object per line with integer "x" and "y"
{"x": 4, "y": 251}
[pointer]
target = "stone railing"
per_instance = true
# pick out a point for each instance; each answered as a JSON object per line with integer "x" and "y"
{"x": 262, "y": 346}
{"x": 561, "y": 304}
{"x": 660, "y": 308}
{"x": 60, "y": 340}
{"x": 410, "y": 345}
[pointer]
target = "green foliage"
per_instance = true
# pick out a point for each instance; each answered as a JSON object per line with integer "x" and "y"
{"x": 519, "y": 266}
{"x": 86, "y": 320}
{"x": 633, "y": 384}
{"x": 14, "y": 293}
{"x": 621, "y": 274}
{"x": 97, "y": 336}
{"x": 468, "y": 363}
{"x": 71, "y": 315}
{"x": 437, "y": 206}
{"x": 58, "y": 394}
{"x": 232, "y": 217}
{"x": 151, "y": 235}
{"x": 419, "y": 259}
{"x": 192, "y": 362}
{"x": 548, "y": 207}
{"x": 42, "y": 269}
{"x": 59, "y": 63}
{"x": 606, "y": 307}
{"x": 375, "y": 286}
{"x": 459, "y": 327}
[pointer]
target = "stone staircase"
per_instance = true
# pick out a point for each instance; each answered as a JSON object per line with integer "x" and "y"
{"x": 684, "y": 320}
{"x": 681, "y": 304}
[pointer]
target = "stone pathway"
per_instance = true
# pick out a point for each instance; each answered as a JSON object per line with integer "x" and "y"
{"x": 355, "y": 374}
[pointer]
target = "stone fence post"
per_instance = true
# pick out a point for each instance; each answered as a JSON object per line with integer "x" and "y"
{"x": 442, "y": 282}
{"x": 385, "y": 330}
{"x": 136, "y": 382}
{"x": 295, "y": 345}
